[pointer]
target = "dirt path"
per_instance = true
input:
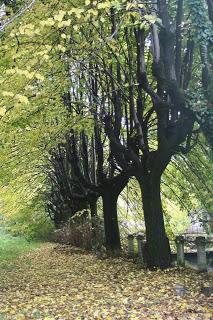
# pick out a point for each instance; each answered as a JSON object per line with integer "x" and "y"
{"x": 54, "y": 283}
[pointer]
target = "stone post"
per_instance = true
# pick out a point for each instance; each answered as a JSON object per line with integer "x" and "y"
{"x": 131, "y": 251}
{"x": 201, "y": 254}
{"x": 180, "y": 251}
{"x": 140, "y": 238}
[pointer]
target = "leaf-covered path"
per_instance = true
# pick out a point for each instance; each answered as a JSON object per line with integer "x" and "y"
{"x": 60, "y": 283}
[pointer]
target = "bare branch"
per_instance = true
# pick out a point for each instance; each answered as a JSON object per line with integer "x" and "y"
{"x": 27, "y": 5}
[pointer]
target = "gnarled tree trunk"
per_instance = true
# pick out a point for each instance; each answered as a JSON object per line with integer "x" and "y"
{"x": 110, "y": 193}
{"x": 95, "y": 226}
{"x": 112, "y": 234}
{"x": 157, "y": 248}
{"x": 93, "y": 207}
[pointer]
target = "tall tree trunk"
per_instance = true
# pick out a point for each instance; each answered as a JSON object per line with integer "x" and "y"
{"x": 112, "y": 234}
{"x": 94, "y": 222}
{"x": 93, "y": 207}
{"x": 158, "y": 252}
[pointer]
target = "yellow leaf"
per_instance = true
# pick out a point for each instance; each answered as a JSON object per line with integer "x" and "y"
{"x": 21, "y": 98}
{"x": 59, "y": 17}
{"x": 61, "y": 48}
{"x": 39, "y": 76}
{"x": 2, "y": 111}
{"x": 104, "y": 5}
{"x": 7, "y": 94}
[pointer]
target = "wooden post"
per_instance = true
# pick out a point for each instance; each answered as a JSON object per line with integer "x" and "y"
{"x": 201, "y": 254}
{"x": 131, "y": 251}
{"x": 180, "y": 251}
{"x": 140, "y": 238}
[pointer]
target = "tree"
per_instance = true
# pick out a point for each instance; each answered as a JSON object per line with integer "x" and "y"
{"x": 174, "y": 125}
{"x": 98, "y": 179}
{"x": 66, "y": 196}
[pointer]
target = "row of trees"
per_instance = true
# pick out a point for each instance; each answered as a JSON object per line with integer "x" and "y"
{"x": 124, "y": 86}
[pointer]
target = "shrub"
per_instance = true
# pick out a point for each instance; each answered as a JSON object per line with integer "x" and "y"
{"x": 78, "y": 235}
{"x": 81, "y": 234}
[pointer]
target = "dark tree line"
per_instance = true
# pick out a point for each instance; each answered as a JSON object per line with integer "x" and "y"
{"x": 79, "y": 177}
{"x": 138, "y": 99}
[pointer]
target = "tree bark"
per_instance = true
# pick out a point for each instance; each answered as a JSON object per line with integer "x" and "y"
{"x": 93, "y": 208}
{"x": 93, "y": 212}
{"x": 112, "y": 234}
{"x": 210, "y": 9}
{"x": 158, "y": 254}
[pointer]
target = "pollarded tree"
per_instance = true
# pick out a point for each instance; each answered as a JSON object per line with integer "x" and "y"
{"x": 136, "y": 113}
{"x": 155, "y": 71}
{"x": 97, "y": 177}
{"x": 65, "y": 196}
{"x": 144, "y": 70}
{"x": 165, "y": 88}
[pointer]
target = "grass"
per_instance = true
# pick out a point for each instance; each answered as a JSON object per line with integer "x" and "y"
{"x": 11, "y": 247}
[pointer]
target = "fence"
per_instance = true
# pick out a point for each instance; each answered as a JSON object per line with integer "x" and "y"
{"x": 180, "y": 241}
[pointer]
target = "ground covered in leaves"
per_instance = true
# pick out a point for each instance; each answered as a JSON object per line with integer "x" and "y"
{"x": 54, "y": 282}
